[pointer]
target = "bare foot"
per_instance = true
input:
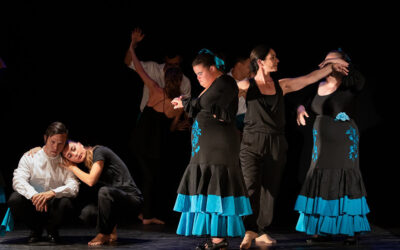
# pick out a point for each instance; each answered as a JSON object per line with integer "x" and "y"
{"x": 100, "y": 239}
{"x": 265, "y": 239}
{"x": 152, "y": 221}
{"x": 113, "y": 235}
{"x": 248, "y": 238}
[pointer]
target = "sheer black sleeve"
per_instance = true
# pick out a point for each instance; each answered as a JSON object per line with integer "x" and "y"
{"x": 354, "y": 81}
{"x": 191, "y": 106}
{"x": 225, "y": 106}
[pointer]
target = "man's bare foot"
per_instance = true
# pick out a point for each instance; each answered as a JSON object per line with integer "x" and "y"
{"x": 152, "y": 221}
{"x": 265, "y": 239}
{"x": 247, "y": 239}
{"x": 100, "y": 239}
{"x": 113, "y": 235}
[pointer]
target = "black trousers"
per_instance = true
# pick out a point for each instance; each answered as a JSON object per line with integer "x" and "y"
{"x": 59, "y": 210}
{"x": 262, "y": 158}
{"x": 112, "y": 205}
{"x": 151, "y": 180}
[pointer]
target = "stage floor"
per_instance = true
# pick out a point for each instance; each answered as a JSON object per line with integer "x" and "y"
{"x": 163, "y": 237}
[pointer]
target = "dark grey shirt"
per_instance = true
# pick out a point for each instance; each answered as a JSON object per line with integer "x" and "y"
{"x": 115, "y": 173}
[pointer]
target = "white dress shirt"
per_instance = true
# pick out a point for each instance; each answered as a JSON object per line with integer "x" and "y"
{"x": 242, "y": 100}
{"x": 41, "y": 173}
{"x": 156, "y": 72}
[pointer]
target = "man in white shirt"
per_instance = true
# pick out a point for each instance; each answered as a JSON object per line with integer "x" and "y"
{"x": 240, "y": 71}
{"x": 44, "y": 188}
{"x": 157, "y": 71}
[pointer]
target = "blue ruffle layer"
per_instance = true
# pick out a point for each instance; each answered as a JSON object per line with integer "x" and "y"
{"x": 8, "y": 223}
{"x": 226, "y": 206}
{"x": 212, "y": 215}
{"x": 343, "y": 216}
{"x": 332, "y": 207}
{"x": 210, "y": 224}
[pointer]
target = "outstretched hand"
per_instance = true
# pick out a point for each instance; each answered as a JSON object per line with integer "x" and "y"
{"x": 338, "y": 65}
{"x": 340, "y": 68}
{"x": 301, "y": 116}
{"x": 177, "y": 102}
{"x": 335, "y": 60}
{"x": 136, "y": 36}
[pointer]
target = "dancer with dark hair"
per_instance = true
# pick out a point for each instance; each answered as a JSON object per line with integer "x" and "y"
{"x": 158, "y": 118}
{"x": 43, "y": 188}
{"x": 117, "y": 195}
{"x": 263, "y": 147}
{"x": 212, "y": 195}
{"x": 157, "y": 72}
{"x": 332, "y": 200}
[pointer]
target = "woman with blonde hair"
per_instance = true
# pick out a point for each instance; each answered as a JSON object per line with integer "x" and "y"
{"x": 118, "y": 191}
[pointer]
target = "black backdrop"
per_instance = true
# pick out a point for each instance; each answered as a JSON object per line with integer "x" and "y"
{"x": 65, "y": 62}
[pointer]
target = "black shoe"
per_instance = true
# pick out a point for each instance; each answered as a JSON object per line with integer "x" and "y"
{"x": 351, "y": 241}
{"x": 34, "y": 236}
{"x": 319, "y": 239}
{"x": 209, "y": 245}
{"x": 53, "y": 237}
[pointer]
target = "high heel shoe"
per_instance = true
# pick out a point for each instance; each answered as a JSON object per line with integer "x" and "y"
{"x": 209, "y": 245}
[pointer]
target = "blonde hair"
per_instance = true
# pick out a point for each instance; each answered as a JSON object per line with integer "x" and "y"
{"x": 89, "y": 158}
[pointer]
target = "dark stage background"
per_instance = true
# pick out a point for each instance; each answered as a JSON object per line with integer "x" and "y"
{"x": 65, "y": 63}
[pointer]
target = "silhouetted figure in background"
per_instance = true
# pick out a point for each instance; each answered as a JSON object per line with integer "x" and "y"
{"x": 241, "y": 71}
{"x": 157, "y": 72}
{"x": 157, "y": 119}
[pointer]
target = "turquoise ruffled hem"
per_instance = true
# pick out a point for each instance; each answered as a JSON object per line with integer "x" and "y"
{"x": 210, "y": 224}
{"x": 323, "y": 225}
{"x": 212, "y": 215}
{"x": 332, "y": 207}
{"x": 8, "y": 223}
{"x": 343, "y": 216}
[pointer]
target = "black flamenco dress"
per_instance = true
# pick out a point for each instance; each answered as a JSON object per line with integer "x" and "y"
{"x": 332, "y": 200}
{"x": 212, "y": 195}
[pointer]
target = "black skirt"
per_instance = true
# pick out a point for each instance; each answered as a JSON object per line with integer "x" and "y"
{"x": 333, "y": 197}
{"x": 212, "y": 195}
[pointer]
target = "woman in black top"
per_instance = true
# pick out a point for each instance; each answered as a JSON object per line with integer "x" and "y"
{"x": 212, "y": 195}
{"x": 332, "y": 199}
{"x": 118, "y": 192}
{"x": 263, "y": 147}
